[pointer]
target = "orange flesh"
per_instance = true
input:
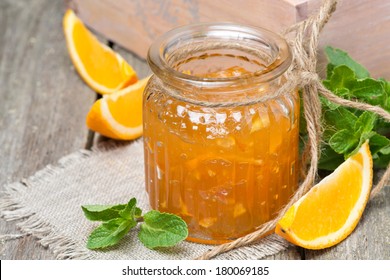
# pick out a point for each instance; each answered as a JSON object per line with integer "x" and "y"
{"x": 128, "y": 105}
{"x": 225, "y": 171}
{"x": 306, "y": 226}
{"x": 94, "y": 56}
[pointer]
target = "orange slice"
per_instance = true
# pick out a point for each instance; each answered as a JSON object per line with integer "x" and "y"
{"x": 101, "y": 68}
{"x": 119, "y": 115}
{"x": 330, "y": 211}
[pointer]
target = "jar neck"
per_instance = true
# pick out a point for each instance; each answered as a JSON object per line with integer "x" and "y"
{"x": 191, "y": 58}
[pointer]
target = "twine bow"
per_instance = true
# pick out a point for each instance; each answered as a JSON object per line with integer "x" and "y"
{"x": 302, "y": 74}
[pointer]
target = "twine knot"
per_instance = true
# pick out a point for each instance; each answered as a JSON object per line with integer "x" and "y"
{"x": 309, "y": 77}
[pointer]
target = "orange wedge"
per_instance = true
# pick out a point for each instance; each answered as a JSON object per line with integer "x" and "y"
{"x": 99, "y": 66}
{"x": 330, "y": 211}
{"x": 119, "y": 115}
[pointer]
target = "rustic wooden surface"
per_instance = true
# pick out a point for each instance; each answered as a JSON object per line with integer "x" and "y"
{"x": 43, "y": 102}
{"x": 42, "y": 118}
{"x": 360, "y": 27}
{"x": 135, "y": 24}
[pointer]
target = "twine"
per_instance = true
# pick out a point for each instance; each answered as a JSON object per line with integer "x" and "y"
{"x": 302, "y": 74}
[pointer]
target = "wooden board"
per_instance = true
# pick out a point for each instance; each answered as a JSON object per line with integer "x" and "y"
{"x": 135, "y": 24}
{"x": 360, "y": 27}
{"x": 44, "y": 102}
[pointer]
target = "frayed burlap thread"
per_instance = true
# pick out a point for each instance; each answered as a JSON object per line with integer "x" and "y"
{"x": 302, "y": 74}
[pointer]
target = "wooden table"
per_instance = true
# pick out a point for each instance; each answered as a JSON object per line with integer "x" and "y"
{"x": 42, "y": 118}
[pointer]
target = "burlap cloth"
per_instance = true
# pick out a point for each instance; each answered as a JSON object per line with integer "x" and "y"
{"x": 48, "y": 206}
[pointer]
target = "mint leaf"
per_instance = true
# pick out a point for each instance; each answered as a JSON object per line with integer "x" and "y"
{"x": 342, "y": 142}
{"x": 137, "y": 212}
{"x": 341, "y": 78}
{"x": 109, "y": 233}
{"x": 386, "y": 94}
{"x": 102, "y": 212}
{"x": 365, "y": 122}
{"x": 341, "y": 118}
{"x": 362, "y": 131}
{"x": 162, "y": 230}
{"x": 158, "y": 229}
{"x": 338, "y": 57}
{"x": 346, "y": 129}
{"x": 363, "y": 137}
{"x": 367, "y": 90}
{"x": 128, "y": 211}
{"x": 380, "y": 150}
{"x": 381, "y": 161}
{"x": 329, "y": 160}
{"x": 379, "y": 143}
{"x": 338, "y": 119}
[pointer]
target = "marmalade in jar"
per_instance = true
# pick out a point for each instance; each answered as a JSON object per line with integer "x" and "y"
{"x": 215, "y": 155}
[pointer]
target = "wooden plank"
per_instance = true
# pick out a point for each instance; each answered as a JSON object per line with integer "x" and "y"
{"x": 362, "y": 29}
{"x": 371, "y": 238}
{"x": 43, "y": 101}
{"x": 292, "y": 253}
{"x": 135, "y": 24}
{"x": 359, "y": 27}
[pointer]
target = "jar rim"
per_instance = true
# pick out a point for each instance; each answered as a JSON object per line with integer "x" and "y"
{"x": 157, "y": 54}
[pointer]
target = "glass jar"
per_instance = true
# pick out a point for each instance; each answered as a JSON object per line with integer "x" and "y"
{"x": 214, "y": 154}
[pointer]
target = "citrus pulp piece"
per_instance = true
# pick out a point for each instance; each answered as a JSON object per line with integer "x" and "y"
{"x": 330, "y": 211}
{"x": 101, "y": 68}
{"x": 119, "y": 115}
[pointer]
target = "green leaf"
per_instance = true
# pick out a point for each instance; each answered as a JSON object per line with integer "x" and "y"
{"x": 380, "y": 149}
{"x": 341, "y": 118}
{"x": 363, "y": 137}
{"x": 102, "y": 212}
{"x": 329, "y": 70}
{"x": 381, "y": 161}
{"x": 385, "y": 150}
{"x": 342, "y": 141}
{"x": 342, "y": 77}
{"x": 329, "y": 160}
{"x": 338, "y": 57}
{"x": 338, "y": 119}
{"x": 109, "y": 233}
{"x": 365, "y": 122}
{"x": 346, "y": 129}
{"x": 379, "y": 143}
{"x": 386, "y": 95}
{"x": 367, "y": 90}
{"x": 137, "y": 212}
{"x": 362, "y": 132}
{"x": 128, "y": 211}
{"x": 162, "y": 230}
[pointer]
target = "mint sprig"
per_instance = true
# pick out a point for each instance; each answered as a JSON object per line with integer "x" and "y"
{"x": 157, "y": 229}
{"x": 161, "y": 230}
{"x": 346, "y": 129}
{"x": 109, "y": 233}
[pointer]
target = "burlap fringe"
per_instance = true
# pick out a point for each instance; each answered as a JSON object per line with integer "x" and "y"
{"x": 12, "y": 208}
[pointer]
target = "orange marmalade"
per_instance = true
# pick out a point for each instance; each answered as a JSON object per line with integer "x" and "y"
{"x": 214, "y": 154}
